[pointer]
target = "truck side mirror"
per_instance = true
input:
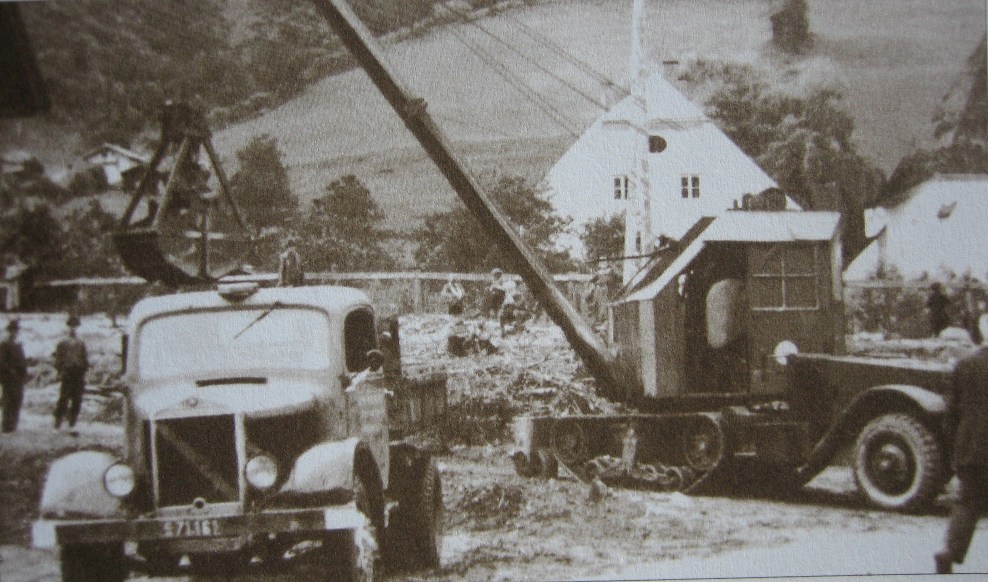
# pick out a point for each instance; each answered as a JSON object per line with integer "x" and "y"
{"x": 375, "y": 359}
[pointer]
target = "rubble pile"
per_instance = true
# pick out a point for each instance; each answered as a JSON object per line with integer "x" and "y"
{"x": 952, "y": 344}
{"x": 489, "y": 506}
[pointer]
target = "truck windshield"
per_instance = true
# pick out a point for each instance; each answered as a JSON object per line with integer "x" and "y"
{"x": 228, "y": 341}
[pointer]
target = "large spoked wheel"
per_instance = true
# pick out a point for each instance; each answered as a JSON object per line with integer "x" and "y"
{"x": 353, "y": 556}
{"x": 93, "y": 563}
{"x": 898, "y": 463}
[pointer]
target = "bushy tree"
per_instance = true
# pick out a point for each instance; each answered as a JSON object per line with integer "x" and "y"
{"x": 261, "y": 187}
{"x": 455, "y": 241}
{"x": 342, "y": 231}
{"x": 803, "y": 142}
{"x": 604, "y": 237}
{"x": 86, "y": 245}
{"x": 32, "y": 235}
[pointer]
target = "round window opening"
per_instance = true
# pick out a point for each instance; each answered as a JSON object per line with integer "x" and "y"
{"x": 656, "y": 144}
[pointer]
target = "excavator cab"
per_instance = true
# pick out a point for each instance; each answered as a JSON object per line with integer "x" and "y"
{"x": 182, "y": 226}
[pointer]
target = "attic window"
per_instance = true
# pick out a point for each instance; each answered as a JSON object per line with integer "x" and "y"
{"x": 656, "y": 144}
{"x": 620, "y": 187}
{"x": 689, "y": 186}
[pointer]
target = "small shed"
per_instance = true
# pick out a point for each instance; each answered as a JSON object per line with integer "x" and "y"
{"x": 707, "y": 315}
{"x": 117, "y": 163}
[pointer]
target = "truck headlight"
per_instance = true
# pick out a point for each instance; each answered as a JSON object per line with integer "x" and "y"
{"x": 261, "y": 472}
{"x": 118, "y": 480}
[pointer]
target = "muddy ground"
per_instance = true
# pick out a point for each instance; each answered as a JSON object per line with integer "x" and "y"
{"x": 498, "y": 525}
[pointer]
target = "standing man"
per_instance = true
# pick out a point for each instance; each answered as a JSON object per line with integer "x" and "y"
{"x": 967, "y": 413}
{"x": 71, "y": 361}
{"x": 13, "y": 373}
{"x": 290, "y": 273}
{"x": 938, "y": 303}
{"x": 454, "y": 295}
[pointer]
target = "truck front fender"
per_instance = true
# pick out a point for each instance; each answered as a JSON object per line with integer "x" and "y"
{"x": 74, "y": 487}
{"x": 328, "y": 467}
{"x": 888, "y": 398}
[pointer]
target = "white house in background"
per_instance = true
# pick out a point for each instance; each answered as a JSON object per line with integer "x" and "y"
{"x": 115, "y": 161}
{"x": 694, "y": 169}
{"x": 939, "y": 230}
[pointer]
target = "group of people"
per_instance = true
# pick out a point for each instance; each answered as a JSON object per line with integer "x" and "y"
{"x": 71, "y": 361}
{"x": 939, "y": 307}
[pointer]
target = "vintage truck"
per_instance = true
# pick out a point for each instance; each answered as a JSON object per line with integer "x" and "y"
{"x": 260, "y": 422}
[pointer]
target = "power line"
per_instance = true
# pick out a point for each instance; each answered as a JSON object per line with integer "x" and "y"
{"x": 538, "y": 100}
{"x": 465, "y": 18}
{"x": 581, "y": 64}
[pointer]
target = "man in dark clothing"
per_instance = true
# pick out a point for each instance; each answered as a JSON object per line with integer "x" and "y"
{"x": 967, "y": 416}
{"x": 13, "y": 373}
{"x": 71, "y": 361}
{"x": 938, "y": 304}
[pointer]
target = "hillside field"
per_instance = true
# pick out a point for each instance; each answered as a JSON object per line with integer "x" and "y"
{"x": 892, "y": 59}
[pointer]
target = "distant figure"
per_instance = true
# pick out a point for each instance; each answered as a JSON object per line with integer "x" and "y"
{"x": 938, "y": 303}
{"x": 495, "y": 293}
{"x": 71, "y": 362}
{"x": 967, "y": 419}
{"x": 454, "y": 296}
{"x": 290, "y": 273}
{"x": 13, "y": 373}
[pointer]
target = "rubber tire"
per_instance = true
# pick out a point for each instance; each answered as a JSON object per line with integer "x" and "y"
{"x": 93, "y": 563}
{"x": 926, "y": 457}
{"x": 345, "y": 558}
{"x": 418, "y": 526}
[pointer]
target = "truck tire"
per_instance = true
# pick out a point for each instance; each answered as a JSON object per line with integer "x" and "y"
{"x": 898, "y": 463}
{"x": 354, "y": 557}
{"x": 93, "y": 563}
{"x": 417, "y": 529}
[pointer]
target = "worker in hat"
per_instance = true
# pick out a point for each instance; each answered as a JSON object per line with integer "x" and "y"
{"x": 13, "y": 373}
{"x": 290, "y": 272}
{"x": 71, "y": 362}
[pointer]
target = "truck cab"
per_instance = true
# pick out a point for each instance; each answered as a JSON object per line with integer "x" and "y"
{"x": 256, "y": 420}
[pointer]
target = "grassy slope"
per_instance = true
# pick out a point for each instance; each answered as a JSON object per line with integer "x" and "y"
{"x": 892, "y": 79}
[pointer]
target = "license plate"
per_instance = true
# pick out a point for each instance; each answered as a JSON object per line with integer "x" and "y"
{"x": 190, "y": 528}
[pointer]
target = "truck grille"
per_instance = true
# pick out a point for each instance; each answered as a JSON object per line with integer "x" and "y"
{"x": 197, "y": 457}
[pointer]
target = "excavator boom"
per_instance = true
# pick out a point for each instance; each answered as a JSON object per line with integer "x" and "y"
{"x": 362, "y": 45}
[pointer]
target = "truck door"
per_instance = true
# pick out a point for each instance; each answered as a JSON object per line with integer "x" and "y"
{"x": 366, "y": 397}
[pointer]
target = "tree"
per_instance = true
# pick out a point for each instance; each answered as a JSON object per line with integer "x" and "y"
{"x": 604, "y": 237}
{"x": 86, "y": 245}
{"x": 803, "y": 142}
{"x": 455, "y": 241}
{"x": 341, "y": 231}
{"x": 261, "y": 186}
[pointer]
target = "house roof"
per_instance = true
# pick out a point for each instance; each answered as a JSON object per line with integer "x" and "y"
{"x": 664, "y": 105}
{"x": 745, "y": 226}
{"x": 121, "y": 151}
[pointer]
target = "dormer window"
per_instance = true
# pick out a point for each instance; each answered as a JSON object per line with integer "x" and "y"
{"x": 689, "y": 186}
{"x": 620, "y": 187}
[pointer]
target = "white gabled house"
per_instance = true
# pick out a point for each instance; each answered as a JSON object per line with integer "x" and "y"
{"x": 939, "y": 230}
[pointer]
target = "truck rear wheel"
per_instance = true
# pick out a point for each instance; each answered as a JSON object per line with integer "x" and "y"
{"x": 93, "y": 563}
{"x": 898, "y": 463}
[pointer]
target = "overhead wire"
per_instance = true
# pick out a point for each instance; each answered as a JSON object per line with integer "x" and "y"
{"x": 538, "y": 100}
{"x": 584, "y": 66}
{"x": 464, "y": 17}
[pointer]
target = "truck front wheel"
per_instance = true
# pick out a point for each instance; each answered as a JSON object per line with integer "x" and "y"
{"x": 416, "y": 531}
{"x": 93, "y": 563}
{"x": 898, "y": 463}
{"x": 353, "y": 556}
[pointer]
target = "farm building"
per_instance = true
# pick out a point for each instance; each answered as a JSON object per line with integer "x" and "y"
{"x": 936, "y": 232}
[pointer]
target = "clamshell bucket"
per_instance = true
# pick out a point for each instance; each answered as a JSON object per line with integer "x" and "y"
{"x": 193, "y": 232}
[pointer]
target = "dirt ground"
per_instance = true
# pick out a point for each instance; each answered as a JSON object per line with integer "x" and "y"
{"x": 503, "y": 527}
